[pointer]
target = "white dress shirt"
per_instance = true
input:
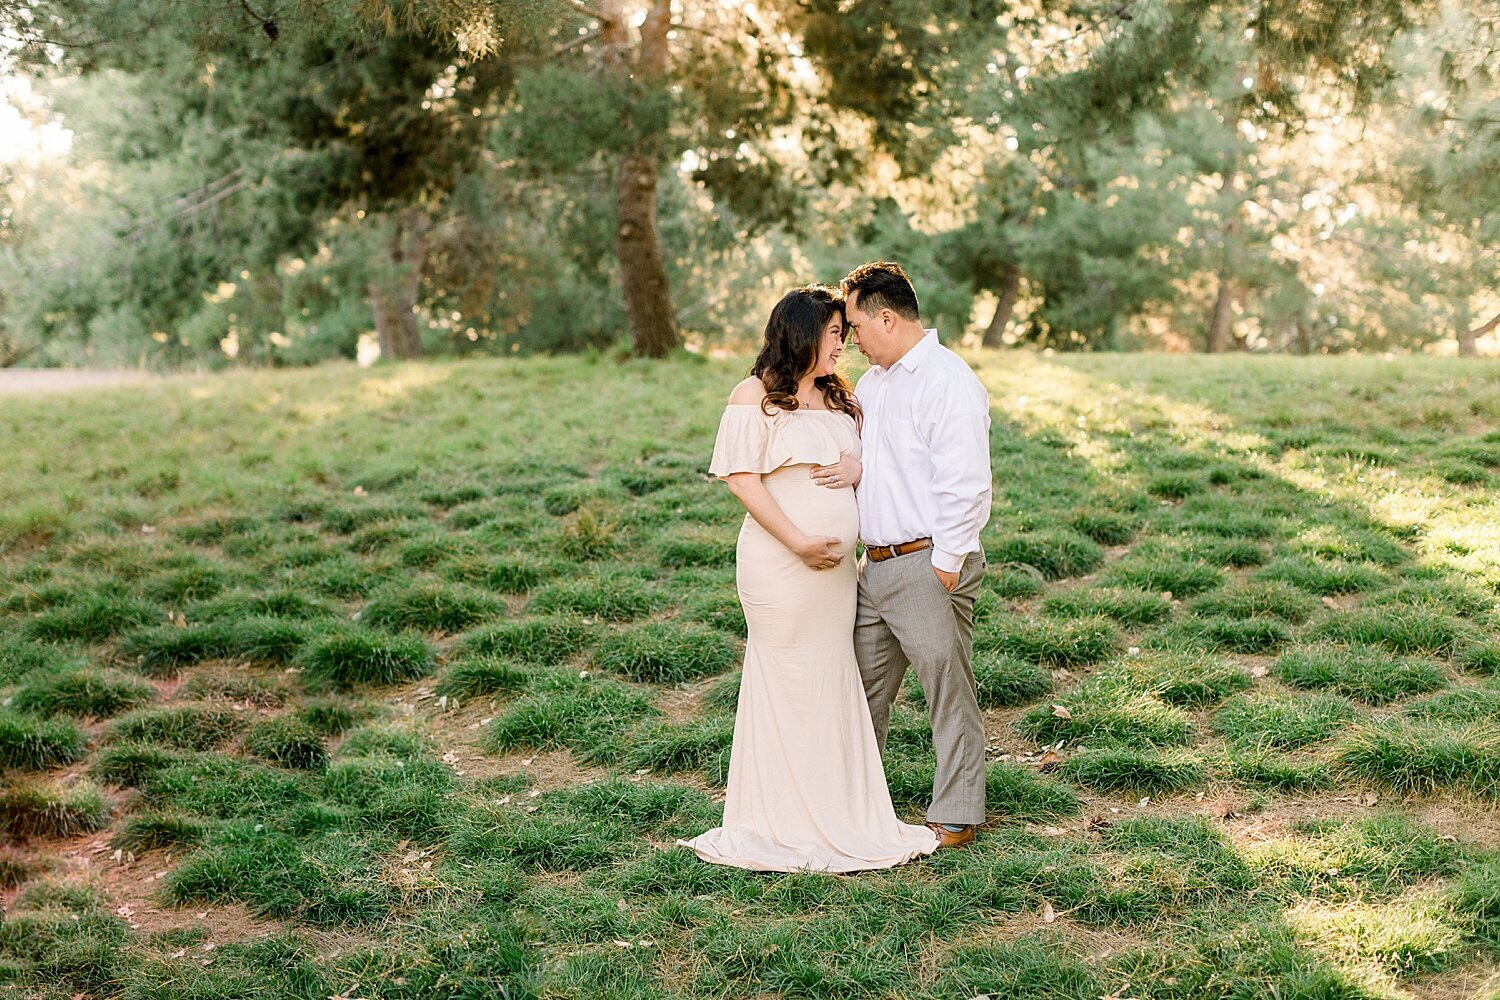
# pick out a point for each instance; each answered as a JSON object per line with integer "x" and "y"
{"x": 926, "y": 442}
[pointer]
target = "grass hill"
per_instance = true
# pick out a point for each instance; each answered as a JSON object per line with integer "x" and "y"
{"x": 402, "y": 683}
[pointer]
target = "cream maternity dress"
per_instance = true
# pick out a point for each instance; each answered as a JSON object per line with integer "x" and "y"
{"x": 806, "y": 788}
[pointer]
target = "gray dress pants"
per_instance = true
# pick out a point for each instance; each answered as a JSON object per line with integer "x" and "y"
{"x": 905, "y": 618}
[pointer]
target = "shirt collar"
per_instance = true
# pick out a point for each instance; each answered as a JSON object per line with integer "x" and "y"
{"x": 918, "y": 351}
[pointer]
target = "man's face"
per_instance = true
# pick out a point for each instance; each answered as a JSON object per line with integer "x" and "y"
{"x": 871, "y": 333}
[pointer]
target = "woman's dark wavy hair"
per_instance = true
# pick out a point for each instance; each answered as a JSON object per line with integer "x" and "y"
{"x": 793, "y": 335}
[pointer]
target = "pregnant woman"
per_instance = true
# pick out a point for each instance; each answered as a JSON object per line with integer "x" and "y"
{"x": 806, "y": 787}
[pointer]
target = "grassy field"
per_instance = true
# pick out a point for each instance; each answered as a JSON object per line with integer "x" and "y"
{"x": 402, "y": 682}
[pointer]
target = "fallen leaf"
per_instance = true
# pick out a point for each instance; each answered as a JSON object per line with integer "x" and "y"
{"x": 1048, "y": 913}
{"x": 1060, "y": 712}
{"x": 1051, "y": 760}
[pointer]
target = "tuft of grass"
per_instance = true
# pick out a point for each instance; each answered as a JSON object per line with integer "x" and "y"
{"x": 1126, "y": 769}
{"x": 83, "y": 693}
{"x": 1034, "y": 965}
{"x": 92, "y": 618}
{"x": 1163, "y": 571}
{"x": 1322, "y": 578}
{"x": 589, "y": 715}
{"x": 186, "y": 727}
{"x": 611, "y": 599}
{"x": 51, "y": 811}
{"x": 353, "y": 656}
{"x": 288, "y": 742}
{"x": 1402, "y": 630}
{"x": 133, "y": 764}
{"x": 1005, "y": 681}
{"x": 1432, "y": 595}
{"x": 1053, "y": 554}
{"x": 666, "y": 747}
{"x": 1466, "y": 704}
{"x": 482, "y": 675}
{"x": 30, "y": 744}
{"x": 1229, "y": 635}
{"x": 333, "y": 716}
{"x": 1013, "y": 582}
{"x": 235, "y": 685}
{"x": 1103, "y": 526}
{"x": 431, "y": 607}
{"x": 539, "y": 641}
{"x": 20, "y": 659}
{"x": 666, "y": 652}
{"x": 1263, "y": 721}
{"x": 1423, "y": 757}
{"x": 154, "y": 831}
{"x": 241, "y": 605}
{"x": 1106, "y": 708}
{"x": 676, "y": 551}
{"x": 1174, "y": 486}
{"x": 1019, "y": 793}
{"x": 509, "y": 575}
{"x": 1183, "y": 679}
{"x": 1257, "y": 599}
{"x": 1481, "y": 658}
{"x": 721, "y": 611}
{"x": 1128, "y": 607}
{"x": 1366, "y": 674}
{"x": 165, "y": 649}
{"x": 1284, "y": 774}
{"x": 1057, "y": 644}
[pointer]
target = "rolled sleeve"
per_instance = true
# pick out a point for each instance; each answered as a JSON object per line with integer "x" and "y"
{"x": 955, "y": 420}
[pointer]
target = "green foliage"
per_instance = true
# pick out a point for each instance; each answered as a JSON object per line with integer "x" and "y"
{"x": 1361, "y": 672}
{"x": 362, "y": 656}
{"x": 34, "y": 744}
{"x": 666, "y": 652}
{"x": 43, "y": 811}
{"x": 430, "y": 608}
{"x": 85, "y": 693}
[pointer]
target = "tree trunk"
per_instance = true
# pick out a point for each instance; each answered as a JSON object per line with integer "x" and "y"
{"x": 1010, "y": 290}
{"x": 1468, "y": 339}
{"x": 1221, "y": 325}
{"x": 643, "y": 272}
{"x": 393, "y": 289}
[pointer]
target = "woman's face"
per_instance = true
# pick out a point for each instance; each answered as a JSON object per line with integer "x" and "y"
{"x": 830, "y": 346}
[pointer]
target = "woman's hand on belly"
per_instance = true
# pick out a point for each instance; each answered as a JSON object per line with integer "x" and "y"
{"x": 818, "y": 551}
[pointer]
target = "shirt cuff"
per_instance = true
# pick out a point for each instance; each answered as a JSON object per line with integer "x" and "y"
{"x": 948, "y": 562}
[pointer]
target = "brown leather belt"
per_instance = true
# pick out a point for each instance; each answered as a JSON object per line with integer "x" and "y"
{"x": 880, "y": 553}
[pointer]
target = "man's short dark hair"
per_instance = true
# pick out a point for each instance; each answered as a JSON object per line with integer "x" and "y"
{"x": 882, "y": 284}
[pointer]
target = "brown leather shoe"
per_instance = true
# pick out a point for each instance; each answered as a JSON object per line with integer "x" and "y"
{"x": 949, "y": 838}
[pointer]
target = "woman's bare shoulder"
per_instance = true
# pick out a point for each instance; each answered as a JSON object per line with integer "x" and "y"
{"x": 751, "y": 390}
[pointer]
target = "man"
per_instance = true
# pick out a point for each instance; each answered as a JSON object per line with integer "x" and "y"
{"x": 923, "y": 499}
